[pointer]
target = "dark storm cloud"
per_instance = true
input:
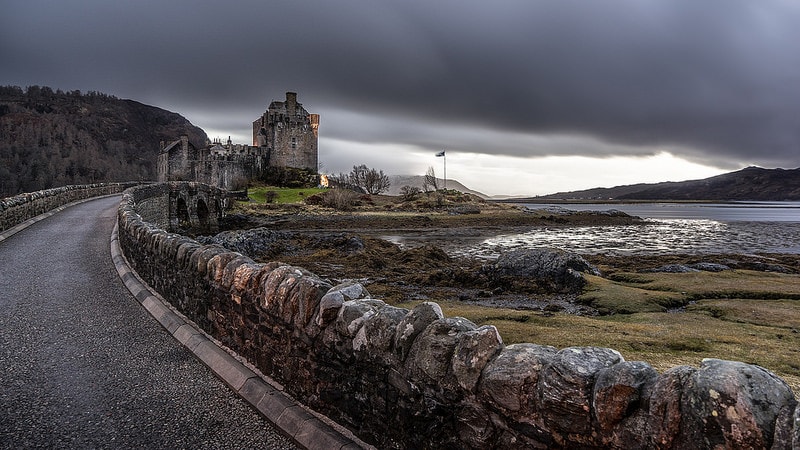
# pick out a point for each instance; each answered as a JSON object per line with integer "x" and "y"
{"x": 717, "y": 79}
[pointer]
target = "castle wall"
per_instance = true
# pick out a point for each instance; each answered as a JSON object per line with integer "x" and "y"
{"x": 414, "y": 378}
{"x": 286, "y": 135}
{"x": 290, "y": 133}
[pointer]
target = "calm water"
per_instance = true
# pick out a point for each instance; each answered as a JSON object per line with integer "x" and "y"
{"x": 753, "y": 227}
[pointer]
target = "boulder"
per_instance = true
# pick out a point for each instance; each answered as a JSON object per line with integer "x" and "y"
{"x": 561, "y": 269}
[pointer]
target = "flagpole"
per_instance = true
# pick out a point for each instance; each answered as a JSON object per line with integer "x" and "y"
{"x": 445, "y": 170}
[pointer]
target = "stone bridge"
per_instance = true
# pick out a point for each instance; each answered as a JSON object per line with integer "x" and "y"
{"x": 401, "y": 378}
{"x": 181, "y": 206}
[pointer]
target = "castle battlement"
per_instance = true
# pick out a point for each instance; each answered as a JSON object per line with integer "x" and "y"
{"x": 286, "y": 135}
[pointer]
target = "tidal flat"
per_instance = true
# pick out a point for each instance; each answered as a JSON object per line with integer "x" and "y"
{"x": 643, "y": 305}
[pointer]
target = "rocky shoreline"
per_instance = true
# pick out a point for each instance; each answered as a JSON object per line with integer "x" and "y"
{"x": 352, "y": 246}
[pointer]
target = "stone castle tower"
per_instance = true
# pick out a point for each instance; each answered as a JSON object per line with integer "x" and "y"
{"x": 284, "y": 136}
{"x": 288, "y": 134}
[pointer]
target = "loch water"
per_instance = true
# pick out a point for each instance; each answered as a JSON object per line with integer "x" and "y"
{"x": 685, "y": 228}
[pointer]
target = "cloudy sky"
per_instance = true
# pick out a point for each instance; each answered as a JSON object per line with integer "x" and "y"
{"x": 526, "y": 97}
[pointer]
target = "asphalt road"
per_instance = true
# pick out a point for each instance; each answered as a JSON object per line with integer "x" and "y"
{"x": 83, "y": 365}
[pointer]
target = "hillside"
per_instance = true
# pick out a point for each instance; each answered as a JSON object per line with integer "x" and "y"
{"x": 751, "y": 183}
{"x": 398, "y": 181}
{"x": 52, "y": 138}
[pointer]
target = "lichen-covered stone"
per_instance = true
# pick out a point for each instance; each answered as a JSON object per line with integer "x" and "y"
{"x": 375, "y": 339}
{"x": 727, "y": 404}
{"x": 354, "y": 313}
{"x": 473, "y": 350}
{"x": 412, "y": 325}
{"x": 332, "y": 301}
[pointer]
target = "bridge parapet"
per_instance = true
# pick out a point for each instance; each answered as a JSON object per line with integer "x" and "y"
{"x": 19, "y": 208}
{"x": 181, "y": 206}
{"x": 402, "y": 378}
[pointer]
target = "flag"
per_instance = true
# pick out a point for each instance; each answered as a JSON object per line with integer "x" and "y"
{"x": 441, "y": 153}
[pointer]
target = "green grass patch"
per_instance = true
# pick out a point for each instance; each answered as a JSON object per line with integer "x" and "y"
{"x": 613, "y": 297}
{"x": 282, "y": 195}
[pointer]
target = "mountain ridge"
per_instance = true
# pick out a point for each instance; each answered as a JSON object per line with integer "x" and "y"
{"x": 748, "y": 184}
{"x": 398, "y": 181}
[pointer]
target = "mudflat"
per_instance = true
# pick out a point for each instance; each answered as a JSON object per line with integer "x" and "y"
{"x": 667, "y": 309}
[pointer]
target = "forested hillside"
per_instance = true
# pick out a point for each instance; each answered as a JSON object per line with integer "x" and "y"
{"x": 53, "y": 138}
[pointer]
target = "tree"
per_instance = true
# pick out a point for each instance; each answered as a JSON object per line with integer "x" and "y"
{"x": 370, "y": 180}
{"x": 430, "y": 183}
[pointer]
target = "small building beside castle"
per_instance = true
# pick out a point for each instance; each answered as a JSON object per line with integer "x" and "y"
{"x": 286, "y": 135}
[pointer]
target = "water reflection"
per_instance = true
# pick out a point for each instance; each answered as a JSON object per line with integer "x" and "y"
{"x": 665, "y": 236}
{"x": 658, "y": 237}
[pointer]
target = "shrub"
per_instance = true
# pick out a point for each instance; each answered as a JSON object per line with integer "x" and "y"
{"x": 409, "y": 193}
{"x": 341, "y": 199}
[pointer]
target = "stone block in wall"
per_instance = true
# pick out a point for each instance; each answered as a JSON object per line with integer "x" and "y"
{"x": 727, "y": 404}
{"x": 621, "y": 402}
{"x": 566, "y": 386}
{"x": 474, "y": 349}
{"x": 412, "y": 325}
{"x": 429, "y": 361}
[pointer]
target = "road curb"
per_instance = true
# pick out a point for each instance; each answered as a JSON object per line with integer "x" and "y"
{"x": 307, "y": 428}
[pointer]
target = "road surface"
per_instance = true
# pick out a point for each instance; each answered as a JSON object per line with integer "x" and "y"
{"x": 83, "y": 365}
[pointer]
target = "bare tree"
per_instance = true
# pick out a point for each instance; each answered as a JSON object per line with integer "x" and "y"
{"x": 430, "y": 183}
{"x": 370, "y": 180}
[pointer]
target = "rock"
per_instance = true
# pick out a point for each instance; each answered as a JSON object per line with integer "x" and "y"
{"x": 376, "y": 336}
{"x": 430, "y": 358}
{"x": 621, "y": 400}
{"x": 709, "y": 267}
{"x": 253, "y": 243}
{"x": 673, "y": 268}
{"x": 727, "y": 404}
{"x": 354, "y": 313}
{"x": 510, "y": 381}
{"x": 563, "y": 270}
{"x": 665, "y": 407}
{"x": 473, "y": 350}
{"x": 412, "y": 325}
{"x": 788, "y": 420}
{"x": 566, "y": 387}
{"x": 332, "y": 300}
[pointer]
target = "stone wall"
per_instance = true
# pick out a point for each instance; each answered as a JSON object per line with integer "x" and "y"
{"x": 181, "y": 205}
{"x": 19, "y": 208}
{"x": 403, "y": 378}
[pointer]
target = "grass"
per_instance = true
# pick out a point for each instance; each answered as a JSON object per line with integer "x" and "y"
{"x": 761, "y": 327}
{"x": 284, "y": 195}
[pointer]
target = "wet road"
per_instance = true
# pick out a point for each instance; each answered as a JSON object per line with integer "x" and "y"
{"x": 83, "y": 365}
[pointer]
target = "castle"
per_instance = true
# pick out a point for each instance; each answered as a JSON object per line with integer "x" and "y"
{"x": 286, "y": 135}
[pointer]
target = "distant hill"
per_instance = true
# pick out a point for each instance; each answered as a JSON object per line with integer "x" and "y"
{"x": 398, "y": 181}
{"x": 751, "y": 183}
{"x": 53, "y": 138}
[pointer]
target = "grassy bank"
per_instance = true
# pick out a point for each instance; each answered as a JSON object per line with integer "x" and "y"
{"x": 746, "y": 316}
{"x": 259, "y": 194}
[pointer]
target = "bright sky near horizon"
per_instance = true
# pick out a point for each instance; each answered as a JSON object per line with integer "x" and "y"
{"x": 527, "y": 97}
